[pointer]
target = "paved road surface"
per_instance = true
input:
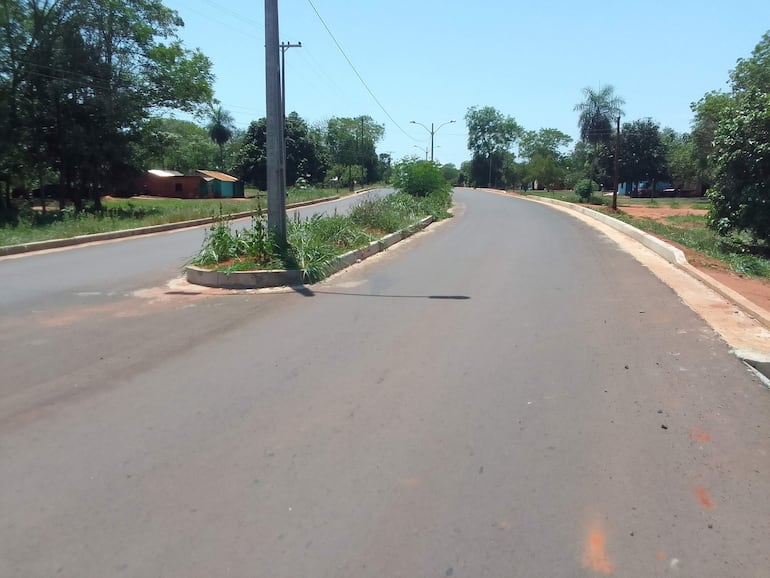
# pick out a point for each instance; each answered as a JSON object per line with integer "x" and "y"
{"x": 53, "y": 279}
{"x": 508, "y": 394}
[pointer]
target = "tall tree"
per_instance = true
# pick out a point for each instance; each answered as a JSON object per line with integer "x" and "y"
{"x": 598, "y": 109}
{"x": 305, "y": 156}
{"x": 490, "y": 136}
{"x": 220, "y": 127}
{"x": 644, "y": 154}
{"x": 353, "y": 141}
{"x": 680, "y": 158}
{"x": 753, "y": 74}
{"x": 740, "y": 157}
{"x": 84, "y": 74}
{"x": 543, "y": 153}
{"x": 709, "y": 111}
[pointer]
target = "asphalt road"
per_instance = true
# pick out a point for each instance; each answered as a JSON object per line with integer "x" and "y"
{"x": 52, "y": 279}
{"x": 507, "y": 394}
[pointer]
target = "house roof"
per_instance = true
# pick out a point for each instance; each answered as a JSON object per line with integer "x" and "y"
{"x": 218, "y": 176}
{"x": 164, "y": 173}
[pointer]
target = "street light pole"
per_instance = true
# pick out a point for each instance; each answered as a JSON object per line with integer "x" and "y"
{"x": 424, "y": 150}
{"x": 617, "y": 168}
{"x": 432, "y": 132}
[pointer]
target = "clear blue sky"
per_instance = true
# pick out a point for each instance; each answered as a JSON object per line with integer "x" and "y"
{"x": 429, "y": 60}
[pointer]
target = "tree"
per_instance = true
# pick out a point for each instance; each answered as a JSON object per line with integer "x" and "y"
{"x": 451, "y": 173}
{"x": 740, "y": 195}
{"x": 251, "y": 163}
{"x": 304, "y": 151}
{"x": 543, "y": 151}
{"x": 220, "y": 128}
{"x": 753, "y": 74}
{"x": 597, "y": 111}
{"x": 353, "y": 141}
{"x": 680, "y": 158}
{"x": 490, "y": 135}
{"x": 708, "y": 114}
{"x": 175, "y": 144}
{"x": 544, "y": 142}
{"x": 78, "y": 78}
{"x": 305, "y": 156}
{"x": 644, "y": 155}
{"x": 740, "y": 155}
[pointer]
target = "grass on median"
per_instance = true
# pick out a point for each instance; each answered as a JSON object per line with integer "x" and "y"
{"x": 313, "y": 243}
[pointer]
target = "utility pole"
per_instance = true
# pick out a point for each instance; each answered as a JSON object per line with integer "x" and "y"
{"x": 276, "y": 193}
{"x": 361, "y": 152}
{"x": 617, "y": 167}
{"x": 284, "y": 47}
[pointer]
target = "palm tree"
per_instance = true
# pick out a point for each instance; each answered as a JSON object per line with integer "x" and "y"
{"x": 220, "y": 127}
{"x": 597, "y": 111}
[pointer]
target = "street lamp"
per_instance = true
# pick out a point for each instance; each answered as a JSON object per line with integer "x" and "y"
{"x": 431, "y": 131}
{"x": 422, "y": 150}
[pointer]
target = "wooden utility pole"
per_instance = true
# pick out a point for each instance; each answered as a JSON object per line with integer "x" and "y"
{"x": 276, "y": 193}
{"x": 617, "y": 168}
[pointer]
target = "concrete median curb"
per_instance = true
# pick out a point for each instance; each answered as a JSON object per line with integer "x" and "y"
{"x": 673, "y": 255}
{"x": 96, "y": 237}
{"x": 284, "y": 277}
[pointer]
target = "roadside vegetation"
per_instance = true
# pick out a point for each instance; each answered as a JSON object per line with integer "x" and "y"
{"x": 741, "y": 252}
{"x": 314, "y": 243}
{"x": 33, "y": 224}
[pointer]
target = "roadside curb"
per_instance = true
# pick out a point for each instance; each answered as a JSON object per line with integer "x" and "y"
{"x": 279, "y": 278}
{"x": 96, "y": 237}
{"x": 757, "y": 360}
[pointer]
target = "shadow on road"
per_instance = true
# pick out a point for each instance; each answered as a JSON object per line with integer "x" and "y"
{"x": 307, "y": 292}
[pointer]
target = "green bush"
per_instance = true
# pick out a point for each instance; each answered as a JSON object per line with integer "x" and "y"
{"x": 740, "y": 197}
{"x": 583, "y": 189}
{"x": 421, "y": 179}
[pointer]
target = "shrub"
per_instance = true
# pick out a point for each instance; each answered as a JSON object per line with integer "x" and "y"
{"x": 584, "y": 188}
{"x": 421, "y": 179}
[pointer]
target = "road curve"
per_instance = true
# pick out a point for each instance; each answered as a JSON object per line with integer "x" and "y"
{"x": 507, "y": 394}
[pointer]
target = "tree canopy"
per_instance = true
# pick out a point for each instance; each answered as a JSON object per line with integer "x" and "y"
{"x": 644, "y": 154}
{"x": 490, "y": 137}
{"x": 739, "y": 156}
{"x": 77, "y": 79}
{"x": 597, "y": 110}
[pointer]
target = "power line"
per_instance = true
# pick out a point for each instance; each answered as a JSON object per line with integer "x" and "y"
{"x": 366, "y": 86}
{"x": 238, "y": 15}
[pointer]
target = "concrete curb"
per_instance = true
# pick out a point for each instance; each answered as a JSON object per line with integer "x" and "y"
{"x": 283, "y": 277}
{"x": 760, "y": 361}
{"x": 82, "y": 239}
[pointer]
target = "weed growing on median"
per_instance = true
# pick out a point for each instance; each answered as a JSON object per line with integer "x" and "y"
{"x": 313, "y": 243}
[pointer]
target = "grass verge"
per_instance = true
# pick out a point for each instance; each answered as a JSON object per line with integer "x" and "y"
{"x": 737, "y": 252}
{"x": 122, "y": 214}
{"x": 690, "y": 231}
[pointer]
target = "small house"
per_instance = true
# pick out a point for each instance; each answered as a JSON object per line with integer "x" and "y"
{"x": 221, "y": 185}
{"x": 201, "y": 184}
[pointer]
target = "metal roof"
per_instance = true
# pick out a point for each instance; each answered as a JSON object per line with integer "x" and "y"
{"x": 164, "y": 173}
{"x": 218, "y": 176}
